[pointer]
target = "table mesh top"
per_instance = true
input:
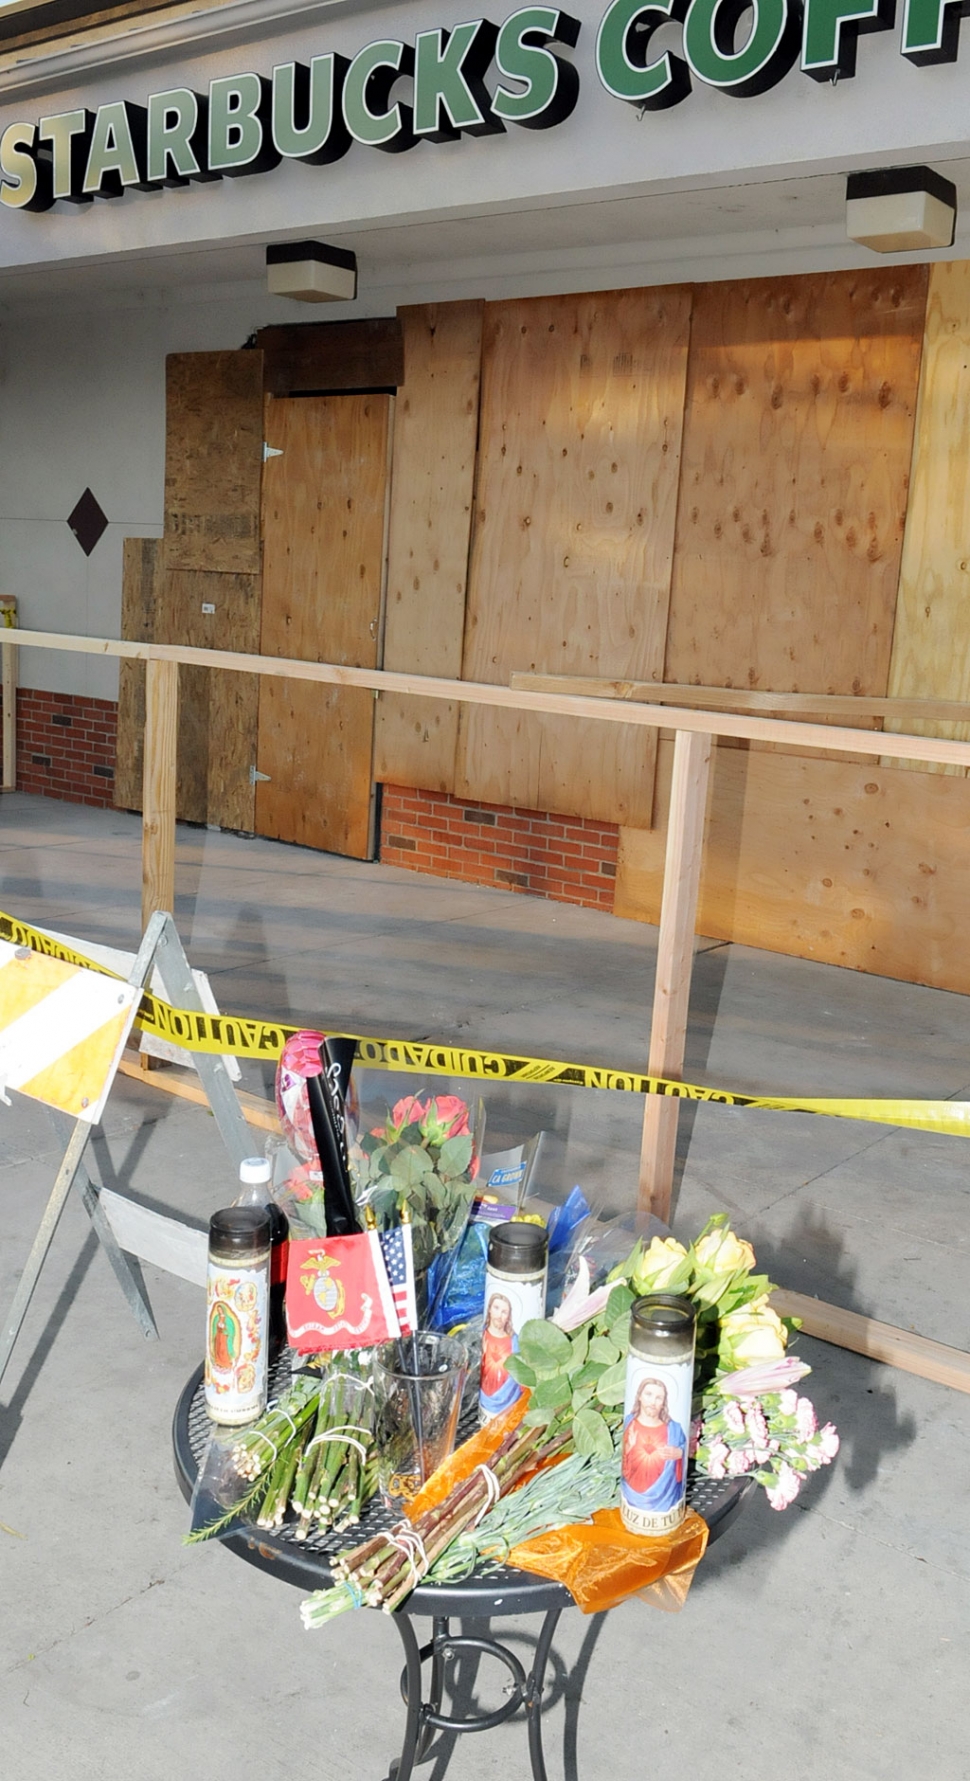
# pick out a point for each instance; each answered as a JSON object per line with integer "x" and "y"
{"x": 712, "y": 1498}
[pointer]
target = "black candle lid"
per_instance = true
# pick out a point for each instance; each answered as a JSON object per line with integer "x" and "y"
{"x": 662, "y": 1319}
{"x": 239, "y": 1230}
{"x": 518, "y": 1248}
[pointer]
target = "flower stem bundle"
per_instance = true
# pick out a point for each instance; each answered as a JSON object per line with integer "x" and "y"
{"x": 384, "y": 1570}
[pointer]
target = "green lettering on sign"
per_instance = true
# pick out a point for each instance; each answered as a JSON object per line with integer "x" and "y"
{"x": 832, "y": 30}
{"x": 239, "y": 117}
{"x": 450, "y": 95}
{"x": 308, "y": 122}
{"x": 68, "y": 133}
{"x": 549, "y": 86}
{"x": 710, "y": 31}
{"x": 114, "y": 161}
{"x": 369, "y": 115}
{"x": 931, "y": 30}
{"x": 176, "y": 137}
{"x": 622, "y": 49}
{"x": 26, "y": 181}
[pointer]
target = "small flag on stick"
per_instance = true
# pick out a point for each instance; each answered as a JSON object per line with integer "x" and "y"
{"x": 399, "y": 1262}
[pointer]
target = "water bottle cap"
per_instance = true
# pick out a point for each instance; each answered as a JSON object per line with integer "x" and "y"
{"x": 255, "y": 1170}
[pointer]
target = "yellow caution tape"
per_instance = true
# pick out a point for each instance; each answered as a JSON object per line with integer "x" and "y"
{"x": 235, "y": 1035}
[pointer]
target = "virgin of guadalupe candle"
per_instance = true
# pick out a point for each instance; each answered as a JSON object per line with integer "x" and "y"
{"x": 237, "y": 1306}
{"x": 515, "y": 1291}
{"x": 656, "y": 1413}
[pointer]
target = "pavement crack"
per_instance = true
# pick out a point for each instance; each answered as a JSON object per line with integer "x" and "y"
{"x": 92, "y": 1620}
{"x": 854, "y": 1527}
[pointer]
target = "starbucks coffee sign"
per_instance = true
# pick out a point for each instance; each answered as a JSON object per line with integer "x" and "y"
{"x": 476, "y": 79}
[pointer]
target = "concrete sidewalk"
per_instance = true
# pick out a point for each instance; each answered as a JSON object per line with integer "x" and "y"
{"x": 819, "y": 1643}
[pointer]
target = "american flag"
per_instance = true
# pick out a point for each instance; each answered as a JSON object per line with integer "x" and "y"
{"x": 399, "y": 1262}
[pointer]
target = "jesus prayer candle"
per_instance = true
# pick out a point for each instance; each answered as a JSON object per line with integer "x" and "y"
{"x": 656, "y": 1413}
{"x": 515, "y": 1292}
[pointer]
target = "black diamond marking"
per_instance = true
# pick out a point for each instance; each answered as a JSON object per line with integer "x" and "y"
{"x": 88, "y": 522}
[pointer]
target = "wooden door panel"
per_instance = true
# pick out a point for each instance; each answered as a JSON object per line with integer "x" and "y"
{"x": 324, "y": 524}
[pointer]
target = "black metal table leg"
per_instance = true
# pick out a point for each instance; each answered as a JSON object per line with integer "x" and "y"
{"x": 533, "y": 1699}
{"x": 412, "y": 1695}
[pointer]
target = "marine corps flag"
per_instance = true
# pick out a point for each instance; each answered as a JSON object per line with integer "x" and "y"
{"x": 338, "y": 1294}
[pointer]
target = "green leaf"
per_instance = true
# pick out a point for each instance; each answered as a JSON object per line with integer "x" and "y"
{"x": 410, "y": 1167}
{"x": 604, "y": 1351}
{"x": 520, "y": 1370}
{"x": 552, "y": 1394}
{"x": 582, "y": 1395}
{"x": 535, "y": 1417}
{"x": 543, "y": 1345}
{"x": 455, "y": 1157}
{"x": 578, "y": 1350}
{"x": 618, "y": 1304}
{"x": 588, "y": 1375}
{"x": 591, "y": 1433}
{"x": 612, "y": 1385}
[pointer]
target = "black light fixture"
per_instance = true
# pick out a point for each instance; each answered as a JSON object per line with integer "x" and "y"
{"x": 311, "y": 272}
{"x": 898, "y": 210}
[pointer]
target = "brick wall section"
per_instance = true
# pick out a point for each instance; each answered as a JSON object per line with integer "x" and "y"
{"x": 564, "y": 857}
{"x": 66, "y": 746}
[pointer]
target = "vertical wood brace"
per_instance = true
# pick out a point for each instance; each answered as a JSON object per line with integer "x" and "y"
{"x": 675, "y": 958}
{"x": 159, "y": 790}
{"x": 9, "y": 651}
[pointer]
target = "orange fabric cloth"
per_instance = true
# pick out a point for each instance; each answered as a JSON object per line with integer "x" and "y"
{"x": 601, "y": 1564}
{"x": 476, "y": 1451}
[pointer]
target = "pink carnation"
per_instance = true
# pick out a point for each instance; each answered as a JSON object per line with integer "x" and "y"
{"x": 788, "y": 1402}
{"x": 740, "y": 1461}
{"x": 734, "y": 1417}
{"x": 756, "y": 1425}
{"x": 695, "y": 1436}
{"x": 806, "y": 1421}
{"x": 717, "y": 1459}
{"x": 787, "y": 1488}
{"x": 829, "y": 1441}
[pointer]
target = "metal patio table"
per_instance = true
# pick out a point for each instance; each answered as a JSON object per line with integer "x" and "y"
{"x": 499, "y": 1592}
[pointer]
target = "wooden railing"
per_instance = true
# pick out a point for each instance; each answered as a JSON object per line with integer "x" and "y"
{"x": 606, "y": 702}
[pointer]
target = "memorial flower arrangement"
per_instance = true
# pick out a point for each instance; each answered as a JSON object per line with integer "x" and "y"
{"x": 748, "y": 1418}
{"x": 424, "y": 1156}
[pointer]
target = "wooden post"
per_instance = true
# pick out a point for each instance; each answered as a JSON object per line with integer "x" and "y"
{"x": 675, "y": 958}
{"x": 8, "y": 619}
{"x": 158, "y": 789}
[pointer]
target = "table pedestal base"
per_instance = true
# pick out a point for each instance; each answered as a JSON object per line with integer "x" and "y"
{"x": 426, "y": 1717}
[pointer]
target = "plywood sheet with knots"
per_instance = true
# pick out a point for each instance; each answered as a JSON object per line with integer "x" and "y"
{"x": 435, "y": 437}
{"x": 800, "y": 412}
{"x": 324, "y": 525}
{"x": 931, "y": 643}
{"x": 581, "y": 419}
{"x": 213, "y": 461}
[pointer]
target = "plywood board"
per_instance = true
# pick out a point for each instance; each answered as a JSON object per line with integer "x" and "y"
{"x": 581, "y": 418}
{"x": 324, "y": 521}
{"x": 931, "y": 644}
{"x": 319, "y": 357}
{"x": 800, "y": 412}
{"x": 140, "y": 569}
{"x": 218, "y": 708}
{"x": 836, "y": 861}
{"x": 435, "y": 435}
{"x": 213, "y": 460}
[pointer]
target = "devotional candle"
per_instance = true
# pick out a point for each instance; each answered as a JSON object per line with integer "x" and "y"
{"x": 656, "y": 1413}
